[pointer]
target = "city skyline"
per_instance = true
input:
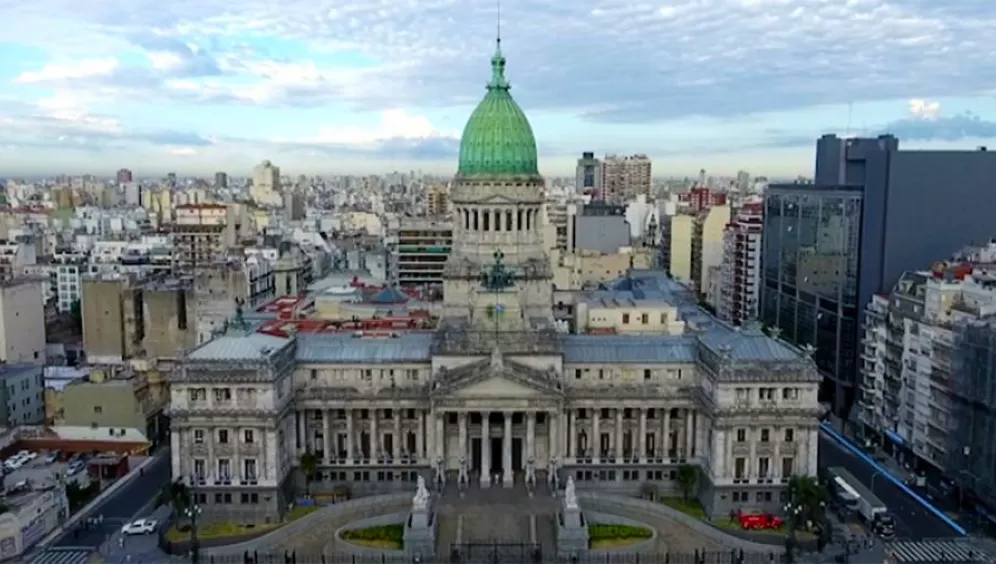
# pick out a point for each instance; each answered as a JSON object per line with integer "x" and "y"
{"x": 378, "y": 87}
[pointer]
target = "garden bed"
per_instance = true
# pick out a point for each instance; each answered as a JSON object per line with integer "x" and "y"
{"x": 607, "y": 536}
{"x": 385, "y": 537}
{"x": 226, "y": 529}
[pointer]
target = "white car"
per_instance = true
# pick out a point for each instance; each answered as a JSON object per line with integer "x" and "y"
{"x": 140, "y": 527}
{"x": 27, "y": 456}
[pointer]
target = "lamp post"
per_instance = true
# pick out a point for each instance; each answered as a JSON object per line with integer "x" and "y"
{"x": 793, "y": 511}
{"x": 875, "y": 474}
{"x": 192, "y": 512}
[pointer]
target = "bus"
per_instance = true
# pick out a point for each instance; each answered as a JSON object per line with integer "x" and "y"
{"x": 853, "y": 496}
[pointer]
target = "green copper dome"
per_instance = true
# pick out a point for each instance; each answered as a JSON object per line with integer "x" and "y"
{"x": 498, "y": 140}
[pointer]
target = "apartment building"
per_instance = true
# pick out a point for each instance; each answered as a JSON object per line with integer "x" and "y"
{"x": 438, "y": 201}
{"x": 588, "y": 175}
{"x": 625, "y": 177}
{"x": 423, "y": 245}
{"x": 927, "y": 392}
{"x": 22, "y": 321}
{"x": 116, "y": 396}
{"x": 22, "y": 395}
{"x": 740, "y": 270}
{"x": 266, "y": 185}
{"x": 204, "y": 233}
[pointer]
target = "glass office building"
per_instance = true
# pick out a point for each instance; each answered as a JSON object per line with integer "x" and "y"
{"x": 810, "y": 277}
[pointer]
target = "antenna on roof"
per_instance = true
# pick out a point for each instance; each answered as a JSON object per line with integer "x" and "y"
{"x": 498, "y": 36}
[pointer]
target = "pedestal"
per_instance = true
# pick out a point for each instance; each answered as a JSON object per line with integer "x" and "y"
{"x": 485, "y": 480}
{"x": 420, "y": 535}
{"x": 572, "y": 533}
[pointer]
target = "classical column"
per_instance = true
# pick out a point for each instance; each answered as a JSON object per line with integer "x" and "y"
{"x": 752, "y": 458}
{"x": 718, "y": 454}
{"x": 327, "y": 420}
{"x": 350, "y": 433}
{"x": 619, "y": 435}
{"x": 813, "y": 453}
{"x": 642, "y": 439}
{"x": 667, "y": 432}
{"x": 374, "y": 435}
{"x": 419, "y": 453}
{"x": 553, "y": 430}
{"x": 485, "y": 450}
{"x": 302, "y": 433}
{"x": 775, "y": 465}
{"x": 508, "y": 472}
{"x": 462, "y": 424}
{"x": 596, "y": 439}
{"x": 396, "y": 442}
{"x": 571, "y": 434}
{"x": 531, "y": 435}
{"x": 688, "y": 433}
{"x": 440, "y": 437}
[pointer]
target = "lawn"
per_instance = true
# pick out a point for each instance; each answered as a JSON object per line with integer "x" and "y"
{"x": 692, "y": 508}
{"x": 221, "y": 529}
{"x": 603, "y": 536}
{"x": 386, "y": 537}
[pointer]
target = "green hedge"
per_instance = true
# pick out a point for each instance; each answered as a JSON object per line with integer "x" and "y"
{"x": 617, "y": 532}
{"x": 382, "y": 533}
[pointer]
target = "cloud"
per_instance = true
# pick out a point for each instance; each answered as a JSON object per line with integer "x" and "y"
{"x": 610, "y": 61}
{"x": 955, "y": 128}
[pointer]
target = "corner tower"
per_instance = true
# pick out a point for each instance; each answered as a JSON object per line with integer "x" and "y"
{"x": 497, "y": 199}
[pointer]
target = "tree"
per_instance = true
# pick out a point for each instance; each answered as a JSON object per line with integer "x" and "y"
{"x": 688, "y": 479}
{"x": 807, "y": 492}
{"x": 309, "y": 467}
{"x": 177, "y": 495}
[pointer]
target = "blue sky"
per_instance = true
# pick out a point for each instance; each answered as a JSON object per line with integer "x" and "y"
{"x": 322, "y": 86}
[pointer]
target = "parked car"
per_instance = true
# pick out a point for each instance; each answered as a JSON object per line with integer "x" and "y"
{"x": 140, "y": 527}
{"x": 75, "y": 467}
{"x": 756, "y": 519}
{"x": 52, "y": 457}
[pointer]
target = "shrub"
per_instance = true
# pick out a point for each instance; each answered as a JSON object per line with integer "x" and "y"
{"x": 600, "y": 532}
{"x": 382, "y": 533}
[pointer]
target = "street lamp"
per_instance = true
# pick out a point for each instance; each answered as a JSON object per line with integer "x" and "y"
{"x": 875, "y": 474}
{"x": 793, "y": 511}
{"x": 193, "y": 511}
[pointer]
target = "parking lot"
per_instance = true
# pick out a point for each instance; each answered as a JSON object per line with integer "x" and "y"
{"x": 40, "y": 473}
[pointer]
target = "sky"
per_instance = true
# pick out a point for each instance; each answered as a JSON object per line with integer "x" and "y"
{"x": 343, "y": 87}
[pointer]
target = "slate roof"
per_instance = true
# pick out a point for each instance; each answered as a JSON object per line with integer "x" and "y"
{"x": 622, "y": 349}
{"x": 255, "y": 346}
{"x": 346, "y": 349}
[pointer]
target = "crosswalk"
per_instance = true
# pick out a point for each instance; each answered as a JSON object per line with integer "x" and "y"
{"x": 937, "y": 552}
{"x": 63, "y": 556}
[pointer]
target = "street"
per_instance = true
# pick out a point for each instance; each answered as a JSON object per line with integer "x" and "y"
{"x": 913, "y": 520}
{"x": 121, "y": 507}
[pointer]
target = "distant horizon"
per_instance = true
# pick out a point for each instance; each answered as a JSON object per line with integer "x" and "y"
{"x": 724, "y": 86}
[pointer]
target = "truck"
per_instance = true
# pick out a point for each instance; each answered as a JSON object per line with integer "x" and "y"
{"x": 853, "y": 495}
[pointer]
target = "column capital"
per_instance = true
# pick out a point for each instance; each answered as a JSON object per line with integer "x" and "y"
{"x": 508, "y": 414}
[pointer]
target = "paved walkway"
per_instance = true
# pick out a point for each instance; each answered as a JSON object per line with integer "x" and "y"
{"x": 320, "y": 538}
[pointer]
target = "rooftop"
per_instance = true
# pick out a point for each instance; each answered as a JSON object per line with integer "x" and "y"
{"x": 254, "y": 346}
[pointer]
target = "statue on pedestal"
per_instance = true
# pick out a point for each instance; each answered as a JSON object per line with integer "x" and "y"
{"x": 531, "y": 472}
{"x": 440, "y": 473}
{"x": 552, "y": 479}
{"x": 570, "y": 496}
{"x": 463, "y": 479}
{"x": 421, "y": 499}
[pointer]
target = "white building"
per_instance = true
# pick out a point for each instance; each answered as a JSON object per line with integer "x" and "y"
{"x": 265, "y": 183}
{"x": 496, "y": 390}
{"x": 740, "y": 270}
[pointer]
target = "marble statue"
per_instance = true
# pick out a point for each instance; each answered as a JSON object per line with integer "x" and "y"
{"x": 421, "y": 499}
{"x": 570, "y": 496}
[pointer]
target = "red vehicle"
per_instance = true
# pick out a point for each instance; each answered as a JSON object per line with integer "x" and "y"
{"x": 755, "y": 519}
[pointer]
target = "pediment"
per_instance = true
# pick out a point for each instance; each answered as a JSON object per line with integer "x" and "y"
{"x": 496, "y": 199}
{"x": 488, "y": 379}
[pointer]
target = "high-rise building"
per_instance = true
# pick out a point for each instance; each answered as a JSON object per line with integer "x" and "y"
{"x": 124, "y": 176}
{"x": 588, "y": 175}
{"x": 220, "y": 180}
{"x": 438, "y": 200}
{"x": 624, "y": 178}
{"x": 740, "y": 269}
{"x": 265, "y": 183}
{"x": 830, "y": 246}
{"x": 423, "y": 245}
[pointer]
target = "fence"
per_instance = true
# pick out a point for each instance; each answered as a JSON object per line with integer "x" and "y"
{"x": 732, "y": 557}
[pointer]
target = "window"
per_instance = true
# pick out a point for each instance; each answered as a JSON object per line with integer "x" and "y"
{"x": 765, "y": 435}
{"x": 625, "y": 318}
{"x": 249, "y": 436}
{"x": 224, "y": 469}
{"x": 763, "y": 467}
{"x": 645, "y": 318}
{"x": 739, "y": 468}
{"x": 743, "y": 394}
{"x": 197, "y": 394}
{"x": 646, "y": 373}
{"x": 198, "y": 436}
{"x": 314, "y": 374}
{"x": 98, "y": 410}
{"x": 789, "y": 435}
{"x": 223, "y": 436}
{"x": 199, "y": 468}
{"x": 222, "y": 395}
{"x": 577, "y": 373}
{"x": 788, "y": 467}
{"x": 741, "y": 435}
{"x": 249, "y": 469}
{"x": 766, "y": 394}
{"x": 790, "y": 393}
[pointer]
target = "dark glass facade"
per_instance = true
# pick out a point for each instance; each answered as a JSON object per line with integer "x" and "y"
{"x": 810, "y": 275}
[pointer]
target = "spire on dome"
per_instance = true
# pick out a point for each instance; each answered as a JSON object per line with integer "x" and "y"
{"x": 498, "y": 81}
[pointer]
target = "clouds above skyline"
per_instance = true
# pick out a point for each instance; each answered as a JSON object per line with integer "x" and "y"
{"x": 319, "y": 85}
